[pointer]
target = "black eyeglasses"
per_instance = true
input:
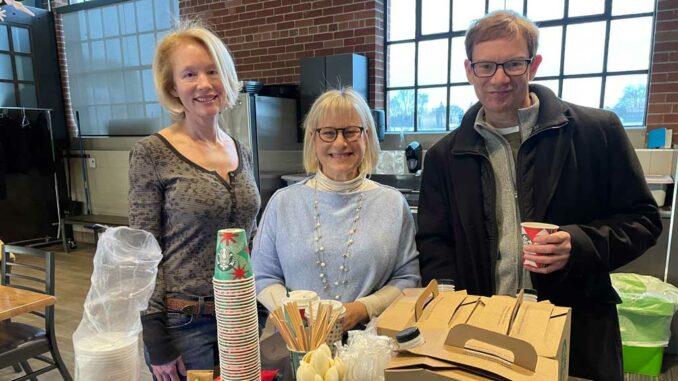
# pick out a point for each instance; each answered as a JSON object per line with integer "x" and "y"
{"x": 511, "y": 67}
{"x": 350, "y": 133}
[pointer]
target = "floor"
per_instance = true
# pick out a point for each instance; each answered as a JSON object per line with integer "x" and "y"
{"x": 73, "y": 271}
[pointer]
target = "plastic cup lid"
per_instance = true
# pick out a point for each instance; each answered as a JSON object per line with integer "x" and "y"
{"x": 407, "y": 334}
{"x": 337, "y": 307}
{"x": 302, "y": 297}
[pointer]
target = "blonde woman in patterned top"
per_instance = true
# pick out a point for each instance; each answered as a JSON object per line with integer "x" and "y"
{"x": 186, "y": 182}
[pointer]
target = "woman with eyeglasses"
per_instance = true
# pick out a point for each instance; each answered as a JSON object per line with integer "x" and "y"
{"x": 337, "y": 233}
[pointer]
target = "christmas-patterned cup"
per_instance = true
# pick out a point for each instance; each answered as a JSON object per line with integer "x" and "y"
{"x": 232, "y": 260}
{"x": 530, "y": 230}
{"x": 336, "y": 331}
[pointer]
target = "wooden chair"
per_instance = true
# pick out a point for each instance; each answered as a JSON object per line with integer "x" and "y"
{"x": 2, "y": 253}
{"x": 11, "y": 258}
{"x": 33, "y": 270}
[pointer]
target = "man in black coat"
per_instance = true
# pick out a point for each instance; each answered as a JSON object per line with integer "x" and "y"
{"x": 522, "y": 154}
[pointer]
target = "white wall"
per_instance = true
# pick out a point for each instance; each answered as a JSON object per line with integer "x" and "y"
{"x": 108, "y": 182}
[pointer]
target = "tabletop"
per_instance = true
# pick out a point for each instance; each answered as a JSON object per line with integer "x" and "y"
{"x": 15, "y": 301}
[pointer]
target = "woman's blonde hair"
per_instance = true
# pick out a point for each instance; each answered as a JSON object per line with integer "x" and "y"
{"x": 340, "y": 102}
{"x": 191, "y": 32}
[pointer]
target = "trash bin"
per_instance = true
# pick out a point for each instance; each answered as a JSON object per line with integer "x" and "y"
{"x": 645, "y": 317}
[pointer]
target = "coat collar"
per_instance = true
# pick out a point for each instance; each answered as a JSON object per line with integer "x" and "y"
{"x": 550, "y": 153}
{"x": 552, "y": 113}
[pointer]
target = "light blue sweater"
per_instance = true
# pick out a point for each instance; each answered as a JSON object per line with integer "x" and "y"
{"x": 384, "y": 252}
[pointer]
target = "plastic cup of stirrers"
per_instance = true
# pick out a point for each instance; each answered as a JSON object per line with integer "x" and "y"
{"x": 297, "y": 336}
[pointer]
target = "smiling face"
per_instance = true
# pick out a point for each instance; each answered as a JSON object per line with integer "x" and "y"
{"x": 197, "y": 83}
{"x": 502, "y": 95}
{"x": 340, "y": 160}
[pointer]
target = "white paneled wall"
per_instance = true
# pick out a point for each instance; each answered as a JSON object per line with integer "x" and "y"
{"x": 658, "y": 162}
{"x": 108, "y": 182}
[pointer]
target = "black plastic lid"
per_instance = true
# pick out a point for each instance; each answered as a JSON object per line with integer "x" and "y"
{"x": 407, "y": 334}
{"x": 529, "y": 291}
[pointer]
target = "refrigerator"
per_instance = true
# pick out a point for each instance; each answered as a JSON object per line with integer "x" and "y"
{"x": 268, "y": 125}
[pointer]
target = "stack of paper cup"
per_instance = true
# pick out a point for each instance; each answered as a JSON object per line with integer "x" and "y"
{"x": 236, "y": 308}
{"x": 336, "y": 331}
{"x": 111, "y": 355}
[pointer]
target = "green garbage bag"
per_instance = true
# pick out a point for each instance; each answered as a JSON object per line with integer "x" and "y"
{"x": 646, "y": 311}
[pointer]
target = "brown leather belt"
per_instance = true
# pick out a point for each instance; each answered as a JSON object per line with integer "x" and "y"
{"x": 191, "y": 307}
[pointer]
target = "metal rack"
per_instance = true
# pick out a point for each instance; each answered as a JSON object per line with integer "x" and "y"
{"x": 47, "y": 240}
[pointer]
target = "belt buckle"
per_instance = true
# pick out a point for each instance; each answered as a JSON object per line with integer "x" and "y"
{"x": 189, "y": 310}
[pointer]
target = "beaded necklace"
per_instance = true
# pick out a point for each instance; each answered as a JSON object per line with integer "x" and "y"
{"x": 342, "y": 281}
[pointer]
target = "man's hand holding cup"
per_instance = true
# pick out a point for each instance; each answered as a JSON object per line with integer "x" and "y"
{"x": 545, "y": 249}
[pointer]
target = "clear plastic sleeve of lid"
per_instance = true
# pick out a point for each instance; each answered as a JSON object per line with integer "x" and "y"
{"x": 445, "y": 285}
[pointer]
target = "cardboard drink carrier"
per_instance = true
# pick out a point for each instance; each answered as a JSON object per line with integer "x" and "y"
{"x": 470, "y": 337}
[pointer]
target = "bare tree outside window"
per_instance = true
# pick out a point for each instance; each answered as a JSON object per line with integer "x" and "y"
{"x": 604, "y": 61}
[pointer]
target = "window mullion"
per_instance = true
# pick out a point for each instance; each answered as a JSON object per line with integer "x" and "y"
{"x": 417, "y": 38}
{"x": 449, "y": 70}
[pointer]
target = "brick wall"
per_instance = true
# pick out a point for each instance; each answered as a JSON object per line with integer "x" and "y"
{"x": 663, "y": 104}
{"x": 268, "y": 39}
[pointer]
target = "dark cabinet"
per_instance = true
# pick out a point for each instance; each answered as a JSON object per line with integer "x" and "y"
{"x": 331, "y": 72}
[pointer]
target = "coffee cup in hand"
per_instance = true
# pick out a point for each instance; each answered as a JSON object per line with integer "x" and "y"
{"x": 531, "y": 230}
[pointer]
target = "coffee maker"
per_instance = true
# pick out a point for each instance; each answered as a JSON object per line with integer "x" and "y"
{"x": 413, "y": 156}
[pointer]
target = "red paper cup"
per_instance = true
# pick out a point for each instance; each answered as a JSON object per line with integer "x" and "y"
{"x": 530, "y": 230}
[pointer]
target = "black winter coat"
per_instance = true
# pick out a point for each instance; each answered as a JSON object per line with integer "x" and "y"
{"x": 577, "y": 170}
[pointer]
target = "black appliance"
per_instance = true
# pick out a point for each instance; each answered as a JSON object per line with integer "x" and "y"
{"x": 413, "y": 156}
{"x": 379, "y": 123}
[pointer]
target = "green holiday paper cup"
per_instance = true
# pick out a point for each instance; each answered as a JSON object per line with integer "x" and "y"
{"x": 232, "y": 261}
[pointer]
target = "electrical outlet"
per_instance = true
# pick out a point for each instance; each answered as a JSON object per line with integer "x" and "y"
{"x": 92, "y": 162}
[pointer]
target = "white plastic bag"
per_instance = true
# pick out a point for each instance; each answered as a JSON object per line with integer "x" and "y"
{"x": 123, "y": 279}
{"x": 366, "y": 354}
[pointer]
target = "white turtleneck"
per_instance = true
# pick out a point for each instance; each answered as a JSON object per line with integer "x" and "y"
{"x": 325, "y": 184}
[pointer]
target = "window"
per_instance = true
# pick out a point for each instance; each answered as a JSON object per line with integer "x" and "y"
{"x": 17, "y": 83}
{"x": 110, "y": 53}
{"x": 595, "y": 53}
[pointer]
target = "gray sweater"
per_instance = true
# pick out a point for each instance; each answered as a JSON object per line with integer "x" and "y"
{"x": 510, "y": 274}
{"x": 184, "y": 205}
{"x": 384, "y": 251}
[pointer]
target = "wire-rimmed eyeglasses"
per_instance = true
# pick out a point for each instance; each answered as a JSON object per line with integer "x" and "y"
{"x": 350, "y": 133}
{"x": 485, "y": 69}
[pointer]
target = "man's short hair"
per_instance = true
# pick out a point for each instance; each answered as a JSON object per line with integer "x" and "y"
{"x": 498, "y": 25}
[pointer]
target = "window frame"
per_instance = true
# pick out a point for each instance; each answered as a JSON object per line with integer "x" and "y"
{"x": 74, "y": 6}
{"x": 140, "y": 69}
{"x": 606, "y": 16}
{"x": 12, "y": 54}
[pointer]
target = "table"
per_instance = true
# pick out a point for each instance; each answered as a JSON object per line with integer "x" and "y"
{"x": 15, "y": 301}
{"x": 91, "y": 221}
